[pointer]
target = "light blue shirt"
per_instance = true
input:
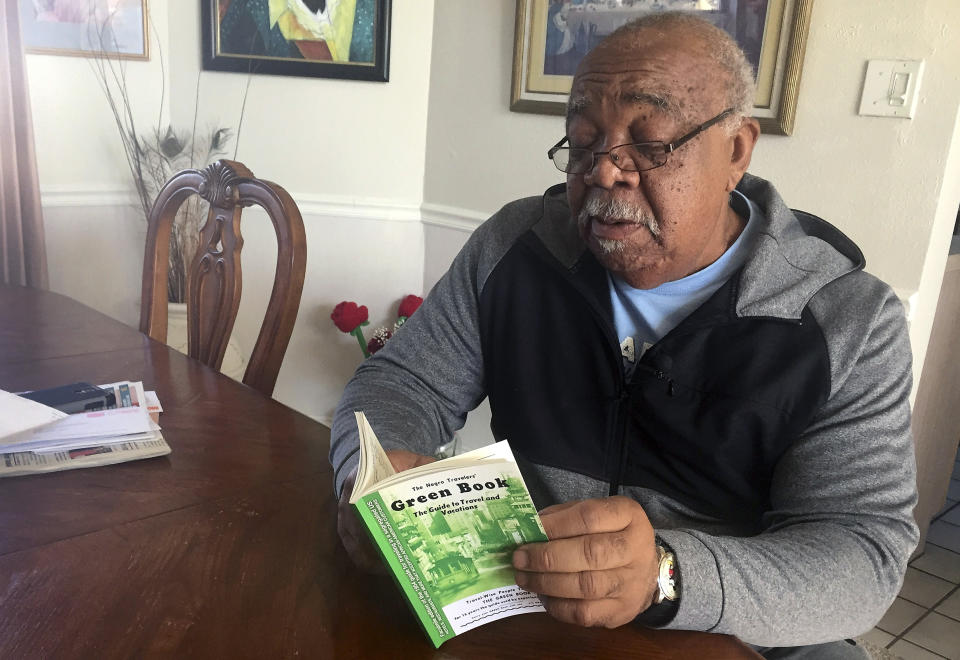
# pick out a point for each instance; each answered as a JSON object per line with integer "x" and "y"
{"x": 643, "y": 316}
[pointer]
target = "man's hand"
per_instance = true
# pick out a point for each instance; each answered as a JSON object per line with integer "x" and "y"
{"x": 352, "y": 533}
{"x": 600, "y": 566}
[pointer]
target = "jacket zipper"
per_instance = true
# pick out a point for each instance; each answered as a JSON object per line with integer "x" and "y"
{"x": 620, "y": 427}
{"x": 617, "y": 434}
{"x": 619, "y": 431}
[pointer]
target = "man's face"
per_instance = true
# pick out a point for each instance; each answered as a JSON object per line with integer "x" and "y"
{"x": 662, "y": 224}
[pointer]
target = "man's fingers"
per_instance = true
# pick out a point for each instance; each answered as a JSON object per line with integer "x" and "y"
{"x": 608, "y": 514}
{"x": 554, "y": 508}
{"x": 572, "y": 555}
{"x": 607, "y": 612}
{"x": 584, "y": 584}
{"x": 355, "y": 539}
{"x": 598, "y": 569}
{"x": 358, "y": 544}
{"x": 404, "y": 460}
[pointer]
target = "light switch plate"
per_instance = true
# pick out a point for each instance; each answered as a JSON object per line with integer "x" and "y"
{"x": 890, "y": 88}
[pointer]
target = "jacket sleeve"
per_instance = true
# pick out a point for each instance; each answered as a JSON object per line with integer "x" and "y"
{"x": 840, "y": 531}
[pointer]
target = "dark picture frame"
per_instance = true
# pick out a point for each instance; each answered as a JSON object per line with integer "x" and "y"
{"x": 545, "y": 57}
{"x": 242, "y": 36}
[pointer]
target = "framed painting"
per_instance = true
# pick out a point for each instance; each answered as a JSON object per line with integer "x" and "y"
{"x": 320, "y": 38}
{"x": 114, "y": 28}
{"x": 553, "y": 35}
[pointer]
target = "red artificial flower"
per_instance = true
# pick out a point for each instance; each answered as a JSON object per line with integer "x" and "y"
{"x": 409, "y": 305}
{"x": 347, "y": 316}
{"x": 380, "y": 337}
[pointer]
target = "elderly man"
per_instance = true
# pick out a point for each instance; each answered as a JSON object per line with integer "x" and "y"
{"x": 694, "y": 375}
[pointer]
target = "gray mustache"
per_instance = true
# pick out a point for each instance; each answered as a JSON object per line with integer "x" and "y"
{"x": 601, "y": 206}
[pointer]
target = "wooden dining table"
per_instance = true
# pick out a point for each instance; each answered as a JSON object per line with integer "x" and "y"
{"x": 225, "y": 548}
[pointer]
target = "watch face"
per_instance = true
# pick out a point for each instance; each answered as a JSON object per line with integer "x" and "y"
{"x": 666, "y": 579}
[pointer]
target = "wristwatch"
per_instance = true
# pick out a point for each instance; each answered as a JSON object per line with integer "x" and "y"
{"x": 668, "y": 576}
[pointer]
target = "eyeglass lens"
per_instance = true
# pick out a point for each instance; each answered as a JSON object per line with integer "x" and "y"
{"x": 628, "y": 157}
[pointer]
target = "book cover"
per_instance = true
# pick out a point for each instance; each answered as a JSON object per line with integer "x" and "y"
{"x": 447, "y": 530}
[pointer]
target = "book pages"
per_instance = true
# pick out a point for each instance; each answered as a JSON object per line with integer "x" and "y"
{"x": 375, "y": 465}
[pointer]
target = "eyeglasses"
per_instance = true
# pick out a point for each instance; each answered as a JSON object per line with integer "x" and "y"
{"x": 630, "y": 157}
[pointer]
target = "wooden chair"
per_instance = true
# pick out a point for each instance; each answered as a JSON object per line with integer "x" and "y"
{"x": 214, "y": 276}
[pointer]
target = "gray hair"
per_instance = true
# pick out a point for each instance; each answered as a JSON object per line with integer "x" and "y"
{"x": 725, "y": 52}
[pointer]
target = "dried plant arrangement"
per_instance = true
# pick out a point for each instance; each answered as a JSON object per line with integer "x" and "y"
{"x": 154, "y": 155}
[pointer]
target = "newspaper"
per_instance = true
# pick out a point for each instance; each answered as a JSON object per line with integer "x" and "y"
{"x": 14, "y": 464}
{"x": 94, "y": 451}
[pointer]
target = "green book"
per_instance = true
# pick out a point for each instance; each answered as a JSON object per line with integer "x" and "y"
{"x": 447, "y": 531}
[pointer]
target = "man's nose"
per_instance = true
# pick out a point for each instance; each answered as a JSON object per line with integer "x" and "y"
{"x": 606, "y": 173}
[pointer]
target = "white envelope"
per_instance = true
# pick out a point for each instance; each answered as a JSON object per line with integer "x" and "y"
{"x": 18, "y": 414}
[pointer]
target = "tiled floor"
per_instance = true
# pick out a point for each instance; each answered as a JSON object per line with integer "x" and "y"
{"x": 924, "y": 621}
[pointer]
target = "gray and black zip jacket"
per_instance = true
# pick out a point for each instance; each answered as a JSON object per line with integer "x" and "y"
{"x": 767, "y": 436}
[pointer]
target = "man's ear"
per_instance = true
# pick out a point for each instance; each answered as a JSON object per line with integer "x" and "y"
{"x": 743, "y": 142}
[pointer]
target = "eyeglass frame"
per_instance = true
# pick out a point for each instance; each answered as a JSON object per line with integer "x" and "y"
{"x": 667, "y": 148}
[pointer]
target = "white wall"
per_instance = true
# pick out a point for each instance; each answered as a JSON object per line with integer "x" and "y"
{"x": 78, "y": 147}
{"x": 369, "y": 259}
{"x": 349, "y": 139}
{"x": 479, "y": 154}
{"x": 312, "y": 136}
{"x": 882, "y": 181}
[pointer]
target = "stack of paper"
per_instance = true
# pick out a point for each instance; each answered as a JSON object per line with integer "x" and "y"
{"x": 35, "y": 438}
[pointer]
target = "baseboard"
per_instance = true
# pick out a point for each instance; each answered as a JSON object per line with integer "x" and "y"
{"x": 309, "y": 204}
{"x": 350, "y": 207}
{"x": 72, "y": 196}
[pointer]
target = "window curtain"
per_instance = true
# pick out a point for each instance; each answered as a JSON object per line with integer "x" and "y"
{"x": 23, "y": 257}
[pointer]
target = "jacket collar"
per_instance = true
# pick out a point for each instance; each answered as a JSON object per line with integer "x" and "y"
{"x": 795, "y": 254}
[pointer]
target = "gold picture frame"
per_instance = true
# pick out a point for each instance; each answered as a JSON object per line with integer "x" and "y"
{"x": 542, "y": 77}
{"x": 79, "y": 28}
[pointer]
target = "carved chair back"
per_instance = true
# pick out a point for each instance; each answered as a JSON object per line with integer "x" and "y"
{"x": 214, "y": 275}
